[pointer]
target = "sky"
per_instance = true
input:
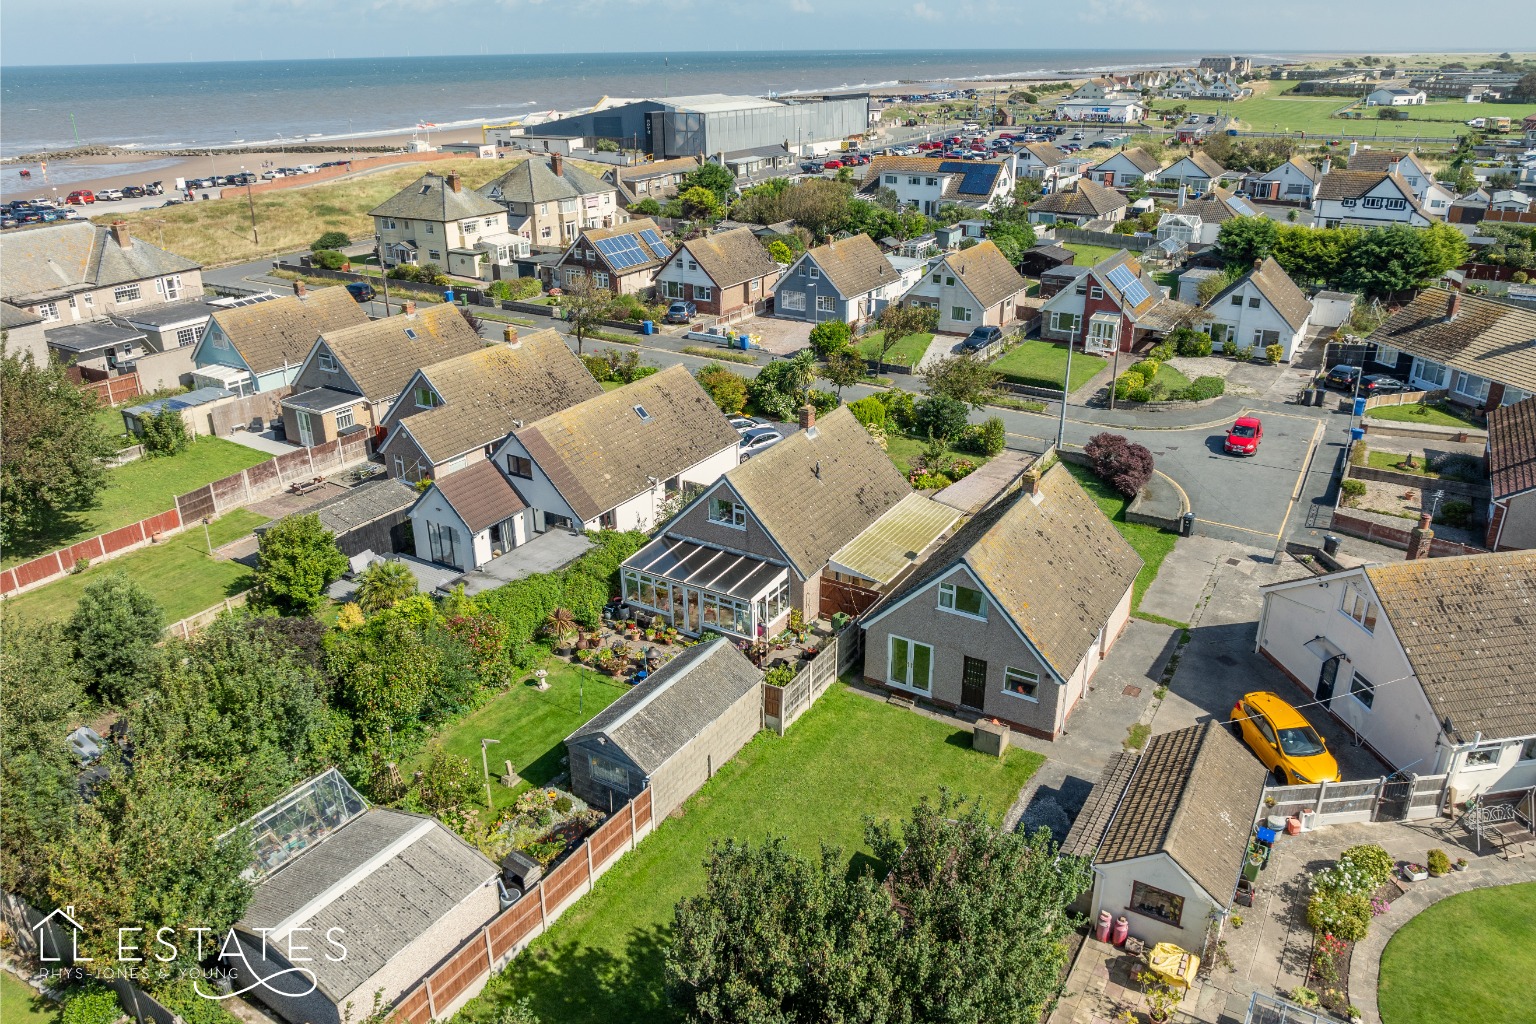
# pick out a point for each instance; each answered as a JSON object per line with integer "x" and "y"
{"x": 114, "y": 31}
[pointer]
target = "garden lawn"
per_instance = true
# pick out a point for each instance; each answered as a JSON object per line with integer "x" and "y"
{"x": 177, "y": 573}
{"x": 847, "y": 757}
{"x": 20, "y": 1003}
{"x": 1043, "y": 364}
{"x": 141, "y": 488}
{"x": 1439, "y": 415}
{"x": 1461, "y": 960}
{"x": 531, "y": 726}
{"x": 1169, "y": 378}
{"x": 1392, "y": 461}
{"x": 907, "y": 351}
{"x": 1152, "y": 544}
{"x": 1088, "y": 255}
{"x": 905, "y": 450}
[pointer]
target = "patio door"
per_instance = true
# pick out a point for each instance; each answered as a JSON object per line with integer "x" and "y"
{"x": 306, "y": 428}
{"x": 1326, "y": 679}
{"x": 973, "y": 683}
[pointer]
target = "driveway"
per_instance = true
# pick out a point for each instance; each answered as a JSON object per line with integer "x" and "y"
{"x": 780, "y": 337}
{"x": 544, "y": 553}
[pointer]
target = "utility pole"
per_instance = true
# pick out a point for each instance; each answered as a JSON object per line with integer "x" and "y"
{"x": 251, "y": 199}
{"x": 1066, "y": 385}
{"x": 485, "y": 767}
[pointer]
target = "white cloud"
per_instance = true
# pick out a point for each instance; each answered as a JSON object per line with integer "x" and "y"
{"x": 923, "y": 11}
{"x": 1119, "y": 11}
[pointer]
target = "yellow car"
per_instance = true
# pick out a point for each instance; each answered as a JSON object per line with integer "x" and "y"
{"x": 1289, "y": 747}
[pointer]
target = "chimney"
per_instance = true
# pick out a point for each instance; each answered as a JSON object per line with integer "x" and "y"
{"x": 509, "y": 335}
{"x": 557, "y": 164}
{"x": 1354, "y": 147}
{"x": 1393, "y": 166}
{"x": 120, "y": 234}
{"x": 1419, "y": 539}
{"x": 1258, "y": 264}
{"x": 1453, "y": 306}
{"x": 1031, "y": 480}
{"x": 410, "y": 307}
{"x": 1327, "y": 165}
{"x": 807, "y": 417}
{"x": 299, "y": 289}
{"x": 453, "y": 182}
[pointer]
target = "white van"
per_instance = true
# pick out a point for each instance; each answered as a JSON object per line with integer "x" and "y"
{"x": 307, "y": 168}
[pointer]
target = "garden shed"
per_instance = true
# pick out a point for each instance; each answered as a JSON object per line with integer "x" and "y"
{"x": 671, "y": 732}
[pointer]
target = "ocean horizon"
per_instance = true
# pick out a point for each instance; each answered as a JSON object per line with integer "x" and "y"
{"x": 255, "y": 102}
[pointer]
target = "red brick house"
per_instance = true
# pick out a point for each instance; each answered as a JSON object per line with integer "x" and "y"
{"x": 719, "y": 273}
{"x": 1116, "y": 304}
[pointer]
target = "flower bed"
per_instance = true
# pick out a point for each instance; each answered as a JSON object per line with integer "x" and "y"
{"x": 1346, "y": 897}
{"x": 544, "y": 824}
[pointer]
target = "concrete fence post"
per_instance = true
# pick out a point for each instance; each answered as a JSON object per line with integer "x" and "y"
{"x": 543, "y": 915}
{"x": 1322, "y": 794}
{"x": 633, "y": 830}
{"x": 591, "y": 878}
{"x": 490, "y": 954}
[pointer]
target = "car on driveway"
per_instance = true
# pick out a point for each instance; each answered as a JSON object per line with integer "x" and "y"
{"x": 1284, "y": 740}
{"x": 980, "y": 338}
{"x": 758, "y": 440}
{"x": 1342, "y": 378}
{"x": 680, "y": 312}
{"x": 1245, "y": 435}
{"x": 746, "y": 423}
{"x": 1381, "y": 384}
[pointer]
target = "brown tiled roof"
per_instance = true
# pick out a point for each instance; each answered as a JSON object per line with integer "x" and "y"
{"x": 1217, "y": 206}
{"x": 481, "y": 495}
{"x": 281, "y": 332}
{"x": 1193, "y": 796}
{"x": 1354, "y": 184}
{"x": 813, "y": 494}
{"x": 1045, "y": 153}
{"x": 1466, "y": 624}
{"x": 1057, "y": 568}
{"x": 486, "y": 391}
{"x": 1211, "y": 168}
{"x": 986, "y": 273}
{"x": 1145, "y": 162}
{"x": 381, "y": 356}
{"x": 601, "y": 452}
{"x": 1098, "y": 810}
{"x": 1512, "y": 448}
{"x": 854, "y": 265}
{"x": 630, "y": 227}
{"x": 431, "y": 197}
{"x": 1305, "y": 167}
{"x": 1089, "y": 199}
{"x": 1376, "y": 159}
{"x": 1488, "y": 338}
{"x": 732, "y": 257}
{"x": 1277, "y": 287}
{"x": 682, "y": 164}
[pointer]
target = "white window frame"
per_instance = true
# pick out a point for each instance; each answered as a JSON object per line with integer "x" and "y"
{"x": 126, "y": 294}
{"x": 49, "y": 311}
{"x": 326, "y": 361}
{"x": 734, "y": 511}
{"x": 792, "y": 301}
{"x": 186, "y": 336}
{"x": 702, "y": 293}
{"x": 1011, "y": 674}
{"x": 1528, "y": 750}
{"x": 947, "y": 601}
{"x": 1359, "y": 684}
{"x": 346, "y": 418}
{"x": 890, "y": 663}
{"x": 673, "y": 289}
{"x": 1358, "y": 608}
{"x": 1058, "y": 316}
{"x": 1431, "y": 381}
{"x": 813, "y": 272}
{"x": 1095, "y": 292}
{"x": 826, "y": 304}
{"x": 600, "y": 279}
{"x": 1479, "y": 392}
{"x": 962, "y": 314}
{"x": 1489, "y": 751}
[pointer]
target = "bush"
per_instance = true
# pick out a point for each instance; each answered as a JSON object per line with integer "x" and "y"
{"x": 1455, "y": 513}
{"x": 1352, "y": 489}
{"x": 990, "y": 438}
{"x": 1242, "y": 353}
{"x": 1127, "y": 382}
{"x": 1161, "y": 352}
{"x": 780, "y": 676}
{"x": 1202, "y": 388}
{"x": 164, "y": 432}
{"x": 727, "y": 389}
{"x": 900, "y": 408}
{"x": 647, "y": 208}
{"x": 1370, "y": 864}
{"x": 1341, "y": 913}
{"x": 1140, "y": 395}
{"x": 1123, "y": 465}
{"x": 91, "y": 1003}
{"x": 830, "y": 336}
{"x": 1520, "y": 277}
{"x": 331, "y": 240}
{"x": 1273, "y": 353}
{"x": 940, "y": 417}
{"x": 1439, "y": 863}
{"x": 598, "y": 367}
{"x": 823, "y": 401}
{"x": 1194, "y": 344}
{"x": 515, "y": 289}
{"x": 330, "y": 259}
{"x": 931, "y": 482}
{"x": 1458, "y": 466}
{"x": 868, "y": 411}
{"x": 1147, "y": 368}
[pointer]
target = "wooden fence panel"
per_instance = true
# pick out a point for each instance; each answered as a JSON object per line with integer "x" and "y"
{"x": 513, "y": 926}
{"x": 230, "y": 492}
{"x": 837, "y": 596}
{"x": 560, "y": 883}
{"x": 414, "y": 1008}
{"x": 463, "y": 970}
{"x": 196, "y": 505}
{"x": 263, "y": 478}
{"x": 294, "y": 465}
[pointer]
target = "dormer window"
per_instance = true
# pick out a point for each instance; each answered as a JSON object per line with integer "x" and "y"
{"x": 327, "y": 362}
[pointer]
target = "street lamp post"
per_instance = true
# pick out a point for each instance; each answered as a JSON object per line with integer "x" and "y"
{"x": 251, "y": 199}
{"x": 485, "y": 766}
{"x": 1066, "y": 385}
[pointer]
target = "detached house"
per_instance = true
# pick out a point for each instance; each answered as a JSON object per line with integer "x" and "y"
{"x": 1011, "y": 617}
{"x": 1367, "y": 199}
{"x": 261, "y": 345}
{"x": 1045, "y": 163}
{"x": 1115, "y": 304}
{"x": 782, "y": 533}
{"x": 352, "y": 376}
{"x": 970, "y": 288}
{"x": 1196, "y": 172}
{"x": 849, "y": 279}
{"x": 436, "y": 220}
{"x": 1477, "y": 350}
{"x": 720, "y": 273}
{"x": 1206, "y": 215}
{"x": 548, "y": 202}
{"x": 925, "y": 184}
{"x": 1087, "y": 201}
{"x": 1434, "y": 197}
{"x": 1295, "y": 179}
{"x": 450, "y": 414}
{"x": 1428, "y": 661}
{"x": 656, "y": 180}
{"x": 1125, "y": 169}
{"x": 1512, "y": 476}
{"x": 1262, "y": 308}
{"x": 622, "y": 259}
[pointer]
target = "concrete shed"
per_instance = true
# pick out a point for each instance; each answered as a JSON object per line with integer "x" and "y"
{"x": 671, "y": 732}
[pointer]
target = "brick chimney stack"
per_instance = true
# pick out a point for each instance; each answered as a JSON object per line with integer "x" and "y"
{"x": 299, "y": 289}
{"x": 807, "y": 416}
{"x": 453, "y": 182}
{"x": 1327, "y": 165}
{"x": 1419, "y": 538}
{"x": 1454, "y": 305}
{"x": 557, "y": 164}
{"x": 410, "y": 307}
{"x": 120, "y": 234}
{"x": 1257, "y": 263}
{"x": 509, "y": 335}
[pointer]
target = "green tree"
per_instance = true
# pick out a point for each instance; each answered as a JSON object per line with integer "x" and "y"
{"x": 384, "y": 669}
{"x": 296, "y": 560}
{"x": 585, "y": 305}
{"x": 940, "y": 417}
{"x": 964, "y": 378}
{"x": 332, "y": 240}
{"x": 1466, "y": 181}
{"x": 165, "y": 432}
{"x": 1501, "y": 180}
{"x": 727, "y": 389}
{"x": 646, "y": 207}
{"x": 1384, "y": 261}
{"x": 1242, "y": 240}
{"x": 48, "y": 446}
{"x": 898, "y": 321}
{"x": 701, "y": 204}
{"x": 447, "y": 782}
{"x": 780, "y": 252}
{"x": 716, "y": 179}
{"x": 1445, "y": 248}
{"x": 845, "y": 367}
{"x": 1525, "y": 89}
{"x": 607, "y": 146}
{"x": 820, "y": 205}
{"x": 830, "y": 336}
{"x": 1013, "y": 240}
{"x": 116, "y": 626}
{"x": 383, "y": 584}
{"x": 779, "y": 389}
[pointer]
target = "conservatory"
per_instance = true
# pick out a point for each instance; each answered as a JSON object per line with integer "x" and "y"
{"x": 700, "y": 588}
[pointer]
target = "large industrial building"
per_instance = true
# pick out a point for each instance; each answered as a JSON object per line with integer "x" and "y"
{"x": 679, "y": 126}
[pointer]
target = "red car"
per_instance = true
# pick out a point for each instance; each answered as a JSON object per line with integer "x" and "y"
{"x": 833, "y": 165}
{"x": 81, "y": 197}
{"x": 925, "y": 146}
{"x": 1245, "y": 435}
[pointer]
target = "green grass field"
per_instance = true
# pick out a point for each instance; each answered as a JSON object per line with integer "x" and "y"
{"x": 531, "y": 726}
{"x": 1088, "y": 255}
{"x": 1152, "y": 544}
{"x": 1439, "y": 415}
{"x": 140, "y": 489}
{"x": 904, "y": 450}
{"x": 20, "y": 1003}
{"x": 1493, "y": 935}
{"x": 177, "y": 572}
{"x": 1043, "y": 364}
{"x": 1267, "y": 112}
{"x": 907, "y": 351}
{"x": 849, "y": 756}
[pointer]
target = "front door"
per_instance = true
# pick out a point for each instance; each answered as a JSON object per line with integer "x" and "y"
{"x": 1326, "y": 680}
{"x": 973, "y": 683}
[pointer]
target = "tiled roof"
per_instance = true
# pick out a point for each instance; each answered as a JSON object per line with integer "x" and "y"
{"x": 930, "y": 166}
{"x": 430, "y": 197}
{"x": 632, "y": 228}
{"x": 1352, "y": 184}
{"x": 1211, "y": 168}
{"x": 481, "y": 494}
{"x": 1145, "y": 162}
{"x": 1465, "y": 624}
{"x": 380, "y": 356}
{"x": 1217, "y": 206}
{"x": 854, "y": 265}
{"x": 1512, "y": 448}
{"x": 1277, "y": 287}
{"x": 1377, "y": 159}
{"x": 603, "y": 452}
{"x": 1098, "y": 810}
{"x": 486, "y": 390}
{"x": 986, "y": 273}
{"x": 14, "y": 316}
{"x": 659, "y": 716}
{"x": 1310, "y": 172}
{"x": 1045, "y": 153}
{"x": 37, "y": 263}
{"x": 1058, "y": 568}
{"x": 535, "y": 181}
{"x": 1088, "y": 199}
{"x": 1194, "y": 796}
{"x": 815, "y": 494}
{"x": 1488, "y": 338}
{"x": 281, "y": 331}
{"x": 731, "y": 257}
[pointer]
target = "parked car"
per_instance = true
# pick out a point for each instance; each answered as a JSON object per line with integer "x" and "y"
{"x": 109, "y": 195}
{"x": 362, "y": 291}
{"x": 154, "y": 188}
{"x": 133, "y": 192}
{"x": 970, "y": 126}
{"x": 1245, "y": 435}
{"x": 980, "y": 338}
{"x": 680, "y": 312}
{"x": 1342, "y": 378}
{"x": 746, "y": 423}
{"x": 832, "y": 165}
{"x": 1382, "y": 384}
{"x": 1076, "y": 136}
{"x": 81, "y": 197}
{"x": 758, "y": 440}
{"x": 1285, "y": 741}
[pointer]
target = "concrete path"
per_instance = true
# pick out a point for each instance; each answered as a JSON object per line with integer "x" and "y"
{"x": 263, "y": 442}
{"x": 1182, "y": 581}
{"x": 941, "y": 346}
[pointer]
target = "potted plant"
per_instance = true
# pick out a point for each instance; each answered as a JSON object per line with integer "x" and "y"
{"x": 1439, "y": 863}
{"x": 565, "y": 642}
{"x": 1162, "y": 998}
{"x": 1414, "y": 872}
{"x": 1461, "y": 864}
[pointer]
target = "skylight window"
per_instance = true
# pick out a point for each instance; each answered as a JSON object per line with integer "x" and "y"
{"x": 410, "y": 334}
{"x": 645, "y": 417}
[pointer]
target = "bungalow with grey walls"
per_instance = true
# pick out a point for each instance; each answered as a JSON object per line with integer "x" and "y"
{"x": 1125, "y": 169}
{"x": 970, "y": 288}
{"x": 722, "y": 273}
{"x": 1262, "y": 308}
{"x": 1196, "y": 172}
{"x": 1476, "y": 349}
{"x": 1011, "y": 617}
{"x": 849, "y": 279}
{"x": 261, "y": 345}
{"x": 1295, "y": 179}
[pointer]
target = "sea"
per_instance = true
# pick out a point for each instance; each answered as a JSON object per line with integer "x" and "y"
{"x": 269, "y": 102}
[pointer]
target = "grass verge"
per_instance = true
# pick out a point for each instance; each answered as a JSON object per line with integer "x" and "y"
{"x": 1152, "y": 544}
{"x": 904, "y": 450}
{"x": 177, "y": 573}
{"x": 1441, "y": 414}
{"x": 908, "y": 351}
{"x": 20, "y": 1003}
{"x": 724, "y": 355}
{"x": 603, "y": 960}
{"x": 1043, "y": 364}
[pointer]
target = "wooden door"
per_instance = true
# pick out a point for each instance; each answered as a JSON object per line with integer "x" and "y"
{"x": 973, "y": 683}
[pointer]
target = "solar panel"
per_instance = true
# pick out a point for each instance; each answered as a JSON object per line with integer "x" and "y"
{"x": 1130, "y": 286}
{"x": 623, "y": 251}
{"x": 653, "y": 239}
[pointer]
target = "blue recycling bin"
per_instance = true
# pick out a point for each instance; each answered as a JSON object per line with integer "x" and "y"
{"x": 1359, "y": 407}
{"x": 746, "y": 341}
{"x": 648, "y": 327}
{"x": 448, "y": 295}
{"x": 1356, "y": 433}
